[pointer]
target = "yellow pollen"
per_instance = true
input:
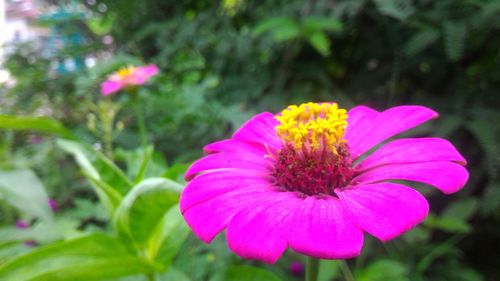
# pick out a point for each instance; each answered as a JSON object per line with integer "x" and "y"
{"x": 313, "y": 125}
{"x": 126, "y": 71}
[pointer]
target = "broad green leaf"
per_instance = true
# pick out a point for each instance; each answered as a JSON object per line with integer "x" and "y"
{"x": 42, "y": 231}
{"x": 42, "y": 124}
{"x": 173, "y": 274}
{"x": 282, "y": 28}
{"x": 272, "y": 23}
{"x": 461, "y": 210}
{"x": 93, "y": 257}
{"x": 139, "y": 218}
{"x": 319, "y": 40}
{"x": 176, "y": 172}
{"x": 109, "y": 197}
{"x": 447, "y": 224}
{"x": 23, "y": 190}
{"x": 245, "y": 273}
{"x": 168, "y": 237}
{"x": 313, "y": 24}
{"x": 97, "y": 166}
{"x": 383, "y": 270}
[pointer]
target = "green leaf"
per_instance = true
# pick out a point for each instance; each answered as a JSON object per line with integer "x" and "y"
{"x": 319, "y": 40}
{"x": 245, "y": 273}
{"x": 399, "y": 9}
{"x": 313, "y": 24}
{"x": 447, "y": 224}
{"x": 328, "y": 270}
{"x": 383, "y": 270}
{"x": 455, "y": 34}
{"x": 142, "y": 217}
{"x": 97, "y": 166}
{"x": 101, "y": 25}
{"x": 93, "y": 257}
{"x": 42, "y": 124}
{"x": 109, "y": 197}
{"x": 282, "y": 28}
{"x": 461, "y": 210}
{"x": 23, "y": 190}
{"x": 420, "y": 41}
{"x": 168, "y": 237}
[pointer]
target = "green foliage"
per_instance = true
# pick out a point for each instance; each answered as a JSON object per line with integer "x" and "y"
{"x": 245, "y": 273}
{"x": 92, "y": 257}
{"x": 220, "y": 64}
{"x": 23, "y": 190}
{"x": 42, "y": 124}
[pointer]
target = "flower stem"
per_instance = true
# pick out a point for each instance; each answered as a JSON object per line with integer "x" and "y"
{"x": 346, "y": 271}
{"x": 140, "y": 123}
{"x": 312, "y": 269}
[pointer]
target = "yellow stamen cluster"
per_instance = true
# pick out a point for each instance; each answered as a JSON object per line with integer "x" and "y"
{"x": 313, "y": 125}
{"x": 126, "y": 71}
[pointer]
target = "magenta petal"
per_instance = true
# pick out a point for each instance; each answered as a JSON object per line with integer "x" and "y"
{"x": 213, "y": 184}
{"x": 261, "y": 129}
{"x": 385, "y": 125}
{"x": 260, "y": 232}
{"x": 143, "y": 73}
{"x": 110, "y": 87}
{"x": 229, "y": 161}
{"x": 385, "y": 210}
{"x": 237, "y": 146}
{"x": 210, "y": 217}
{"x": 359, "y": 120}
{"x": 322, "y": 229}
{"x": 446, "y": 176}
{"x": 411, "y": 151}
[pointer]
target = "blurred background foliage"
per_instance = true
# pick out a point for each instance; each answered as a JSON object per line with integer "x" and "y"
{"x": 221, "y": 62}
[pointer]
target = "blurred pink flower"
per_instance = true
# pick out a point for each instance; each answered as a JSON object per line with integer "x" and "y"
{"x": 22, "y": 224}
{"x": 128, "y": 77}
{"x": 53, "y": 205}
{"x": 308, "y": 178}
{"x": 297, "y": 268}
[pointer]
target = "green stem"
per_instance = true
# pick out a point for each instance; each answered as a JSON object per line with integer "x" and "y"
{"x": 346, "y": 271}
{"x": 312, "y": 269}
{"x": 140, "y": 123}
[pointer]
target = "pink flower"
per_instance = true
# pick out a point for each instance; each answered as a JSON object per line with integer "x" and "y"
{"x": 53, "y": 205}
{"x": 128, "y": 77}
{"x": 296, "y": 268}
{"x": 306, "y": 179}
{"x": 21, "y": 224}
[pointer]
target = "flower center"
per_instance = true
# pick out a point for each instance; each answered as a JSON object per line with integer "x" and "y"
{"x": 315, "y": 157}
{"x": 126, "y": 71}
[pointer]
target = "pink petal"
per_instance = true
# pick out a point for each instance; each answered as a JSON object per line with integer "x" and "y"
{"x": 446, "y": 176}
{"x": 380, "y": 127}
{"x": 261, "y": 129}
{"x": 110, "y": 87}
{"x": 359, "y": 119}
{"x": 224, "y": 160}
{"x": 213, "y": 184}
{"x": 210, "y": 217}
{"x": 237, "y": 146}
{"x": 322, "y": 229}
{"x": 385, "y": 210}
{"x": 144, "y": 73}
{"x": 260, "y": 232}
{"x": 412, "y": 150}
